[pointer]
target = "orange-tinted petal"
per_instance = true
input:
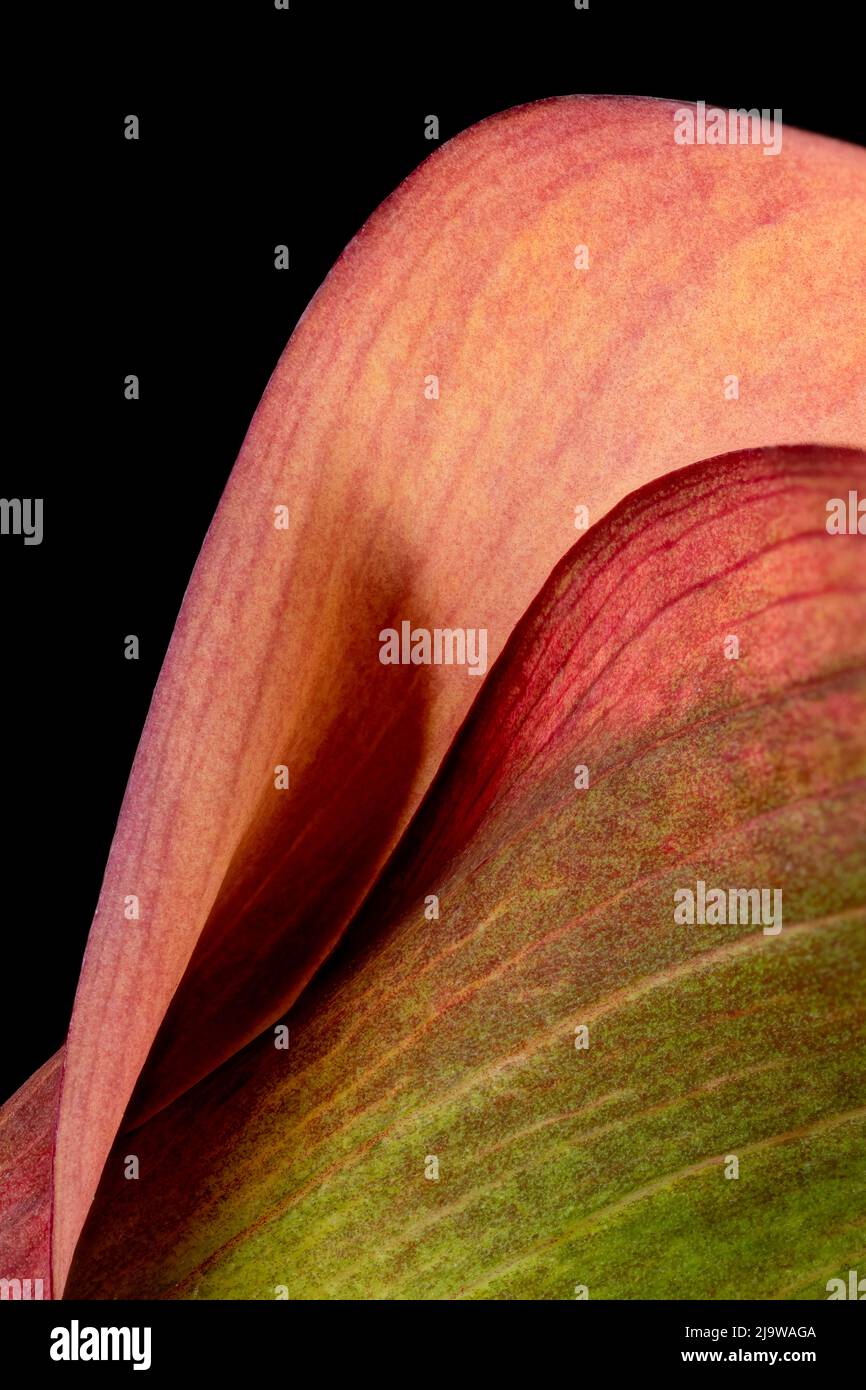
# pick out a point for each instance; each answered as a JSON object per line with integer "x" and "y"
{"x": 558, "y": 387}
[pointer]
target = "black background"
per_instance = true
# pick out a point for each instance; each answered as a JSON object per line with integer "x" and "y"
{"x": 204, "y": 1337}
{"x": 155, "y": 257}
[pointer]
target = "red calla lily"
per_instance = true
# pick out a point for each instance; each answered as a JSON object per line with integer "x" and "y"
{"x": 460, "y": 386}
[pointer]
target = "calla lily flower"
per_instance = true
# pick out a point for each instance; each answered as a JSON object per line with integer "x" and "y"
{"x": 591, "y": 392}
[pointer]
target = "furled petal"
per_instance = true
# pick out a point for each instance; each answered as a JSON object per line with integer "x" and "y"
{"x": 433, "y": 1130}
{"x": 443, "y": 502}
{"x": 27, "y": 1124}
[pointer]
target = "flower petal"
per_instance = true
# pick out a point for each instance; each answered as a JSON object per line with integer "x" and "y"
{"x": 433, "y": 1092}
{"x": 558, "y": 387}
{"x": 27, "y": 1125}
